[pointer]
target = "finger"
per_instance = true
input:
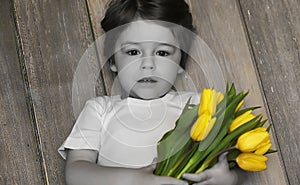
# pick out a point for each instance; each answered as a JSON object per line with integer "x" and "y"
{"x": 203, "y": 176}
{"x": 154, "y": 164}
{"x": 223, "y": 156}
{"x": 150, "y": 168}
{"x": 171, "y": 181}
{"x": 203, "y": 183}
{"x": 223, "y": 160}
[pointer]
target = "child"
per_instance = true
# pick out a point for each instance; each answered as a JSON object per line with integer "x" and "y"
{"x": 114, "y": 139}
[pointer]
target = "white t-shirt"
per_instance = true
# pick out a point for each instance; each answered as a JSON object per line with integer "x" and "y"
{"x": 125, "y": 132}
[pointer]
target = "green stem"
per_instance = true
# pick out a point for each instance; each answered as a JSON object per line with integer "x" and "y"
{"x": 190, "y": 165}
{"x": 207, "y": 162}
{"x": 176, "y": 165}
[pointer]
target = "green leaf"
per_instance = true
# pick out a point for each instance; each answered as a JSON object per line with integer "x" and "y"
{"x": 231, "y": 103}
{"x": 218, "y": 139}
{"x": 269, "y": 127}
{"x": 172, "y": 161}
{"x": 174, "y": 142}
{"x": 191, "y": 164}
{"x": 233, "y": 135}
{"x": 212, "y": 134}
{"x": 232, "y": 90}
{"x": 261, "y": 123}
{"x": 270, "y": 151}
{"x": 219, "y": 130}
{"x": 233, "y": 154}
{"x": 232, "y": 164}
{"x": 185, "y": 160}
{"x": 240, "y": 112}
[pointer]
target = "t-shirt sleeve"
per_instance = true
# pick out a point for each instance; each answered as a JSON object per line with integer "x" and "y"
{"x": 86, "y": 132}
{"x": 195, "y": 98}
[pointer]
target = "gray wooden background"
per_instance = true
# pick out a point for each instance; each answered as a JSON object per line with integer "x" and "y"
{"x": 257, "y": 43}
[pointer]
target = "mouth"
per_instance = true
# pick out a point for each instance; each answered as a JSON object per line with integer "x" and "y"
{"x": 147, "y": 80}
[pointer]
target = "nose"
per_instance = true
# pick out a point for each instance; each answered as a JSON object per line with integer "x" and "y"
{"x": 148, "y": 63}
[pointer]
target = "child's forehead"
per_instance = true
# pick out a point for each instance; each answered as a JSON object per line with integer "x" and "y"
{"x": 147, "y": 31}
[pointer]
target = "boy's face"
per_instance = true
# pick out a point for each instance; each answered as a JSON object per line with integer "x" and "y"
{"x": 147, "y": 60}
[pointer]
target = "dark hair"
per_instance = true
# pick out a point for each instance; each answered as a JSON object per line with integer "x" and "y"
{"x": 121, "y": 12}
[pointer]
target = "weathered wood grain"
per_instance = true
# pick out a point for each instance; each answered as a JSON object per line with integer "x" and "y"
{"x": 20, "y": 160}
{"x": 96, "y": 11}
{"x": 220, "y": 25}
{"x": 274, "y": 31}
{"x": 53, "y": 37}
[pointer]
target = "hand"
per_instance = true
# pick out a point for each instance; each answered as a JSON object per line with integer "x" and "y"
{"x": 219, "y": 174}
{"x": 145, "y": 176}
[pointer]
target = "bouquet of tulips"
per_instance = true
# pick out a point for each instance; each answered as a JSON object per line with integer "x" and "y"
{"x": 206, "y": 130}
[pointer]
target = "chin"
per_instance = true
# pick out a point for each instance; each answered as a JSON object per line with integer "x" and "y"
{"x": 149, "y": 97}
{"x": 146, "y": 95}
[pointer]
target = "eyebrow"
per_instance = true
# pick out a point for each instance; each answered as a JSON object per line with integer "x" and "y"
{"x": 137, "y": 43}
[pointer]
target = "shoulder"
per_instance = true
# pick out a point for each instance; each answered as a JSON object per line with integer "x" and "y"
{"x": 180, "y": 98}
{"x": 102, "y": 103}
{"x": 185, "y": 95}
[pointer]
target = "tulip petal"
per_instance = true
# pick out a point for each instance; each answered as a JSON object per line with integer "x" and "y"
{"x": 240, "y": 120}
{"x": 208, "y": 128}
{"x": 220, "y": 97}
{"x": 205, "y": 101}
{"x": 213, "y": 103}
{"x": 264, "y": 149}
{"x": 239, "y": 106}
{"x": 199, "y": 127}
{"x": 252, "y": 140}
{"x": 252, "y": 162}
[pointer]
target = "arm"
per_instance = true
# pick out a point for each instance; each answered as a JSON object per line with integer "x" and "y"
{"x": 81, "y": 168}
{"x": 219, "y": 174}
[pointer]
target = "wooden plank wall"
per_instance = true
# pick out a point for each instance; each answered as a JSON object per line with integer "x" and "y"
{"x": 53, "y": 35}
{"x": 20, "y": 156}
{"x": 274, "y": 33}
{"x": 256, "y": 43}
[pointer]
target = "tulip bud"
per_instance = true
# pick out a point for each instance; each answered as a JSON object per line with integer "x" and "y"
{"x": 205, "y": 101}
{"x": 252, "y": 162}
{"x": 239, "y": 106}
{"x": 209, "y": 100}
{"x": 240, "y": 120}
{"x": 213, "y": 103}
{"x": 263, "y": 147}
{"x": 255, "y": 140}
{"x": 220, "y": 97}
{"x": 202, "y": 127}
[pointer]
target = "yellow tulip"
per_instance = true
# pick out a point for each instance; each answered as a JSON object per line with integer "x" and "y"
{"x": 239, "y": 106}
{"x": 220, "y": 97}
{"x": 257, "y": 140}
{"x": 207, "y": 108}
{"x": 205, "y": 101}
{"x": 240, "y": 120}
{"x": 209, "y": 100}
{"x": 263, "y": 148}
{"x": 202, "y": 127}
{"x": 252, "y": 162}
{"x": 213, "y": 103}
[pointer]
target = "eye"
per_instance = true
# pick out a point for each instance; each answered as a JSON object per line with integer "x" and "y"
{"x": 133, "y": 52}
{"x": 162, "y": 53}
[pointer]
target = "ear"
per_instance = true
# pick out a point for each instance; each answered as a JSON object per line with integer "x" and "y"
{"x": 180, "y": 70}
{"x": 113, "y": 67}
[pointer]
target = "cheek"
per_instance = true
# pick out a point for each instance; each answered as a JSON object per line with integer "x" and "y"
{"x": 177, "y": 57}
{"x": 170, "y": 74}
